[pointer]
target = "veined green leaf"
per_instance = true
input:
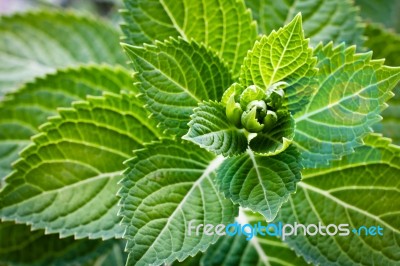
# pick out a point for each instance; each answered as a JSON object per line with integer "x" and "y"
{"x": 362, "y": 189}
{"x": 260, "y": 250}
{"x": 22, "y": 112}
{"x": 174, "y": 77}
{"x": 324, "y": 20}
{"x": 352, "y": 92}
{"x": 260, "y": 183}
{"x": 34, "y": 44}
{"x": 167, "y": 185}
{"x": 385, "y": 44}
{"x": 21, "y": 246}
{"x": 225, "y": 26}
{"x": 210, "y": 129}
{"x": 66, "y": 182}
{"x": 282, "y": 56}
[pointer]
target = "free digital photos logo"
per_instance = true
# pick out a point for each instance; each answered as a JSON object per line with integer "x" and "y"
{"x": 279, "y": 229}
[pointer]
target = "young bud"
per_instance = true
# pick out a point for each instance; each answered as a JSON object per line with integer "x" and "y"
{"x": 276, "y": 99}
{"x": 250, "y": 94}
{"x": 233, "y": 111}
{"x": 253, "y": 116}
{"x": 270, "y": 120}
{"x": 276, "y": 95}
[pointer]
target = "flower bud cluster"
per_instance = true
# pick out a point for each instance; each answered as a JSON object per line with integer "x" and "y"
{"x": 254, "y": 108}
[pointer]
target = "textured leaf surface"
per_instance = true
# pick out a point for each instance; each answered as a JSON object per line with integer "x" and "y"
{"x": 385, "y": 44}
{"x": 175, "y": 76}
{"x": 360, "y": 190}
{"x": 225, "y": 26}
{"x": 260, "y": 183}
{"x": 324, "y": 20}
{"x": 22, "y": 112}
{"x": 66, "y": 182}
{"x": 352, "y": 92}
{"x": 210, "y": 129}
{"x": 282, "y": 56}
{"x": 25, "y": 247}
{"x": 34, "y": 44}
{"x": 260, "y": 250}
{"x": 167, "y": 185}
{"x": 275, "y": 140}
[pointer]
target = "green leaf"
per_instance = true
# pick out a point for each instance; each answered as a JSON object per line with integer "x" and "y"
{"x": 26, "y": 247}
{"x": 385, "y": 44}
{"x": 362, "y": 189}
{"x": 277, "y": 139}
{"x": 260, "y": 183}
{"x": 169, "y": 184}
{"x": 282, "y": 56}
{"x": 34, "y": 44}
{"x": 210, "y": 129}
{"x": 174, "y": 77}
{"x": 385, "y": 12}
{"x": 66, "y": 182}
{"x": 236, "y": 250}
{"x": 324, "y": 20}
{"x": 352, "y": 92}
{"x": 22, "y": 112}
{"x": 225, "y": 26}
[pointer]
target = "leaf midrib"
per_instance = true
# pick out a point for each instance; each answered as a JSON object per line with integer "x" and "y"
{"x": 213, "y": 165}
{"x": 346, "y": 205}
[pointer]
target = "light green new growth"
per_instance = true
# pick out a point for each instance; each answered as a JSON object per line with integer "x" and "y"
{"x": 282, "y": 56}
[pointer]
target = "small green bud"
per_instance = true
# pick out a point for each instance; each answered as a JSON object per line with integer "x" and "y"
{"x": 276, "y": 95}
{"x": 276, "y": 99}
{"x": 251, "y": 93}
{"x": 250, "y": 122}
{"x": 253, "y": 116}
{"x": 276, "y": 86}
{"x": 270, "y": 120}
{"x": 233, "y": 111}
{"x": 235, "y": 89}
